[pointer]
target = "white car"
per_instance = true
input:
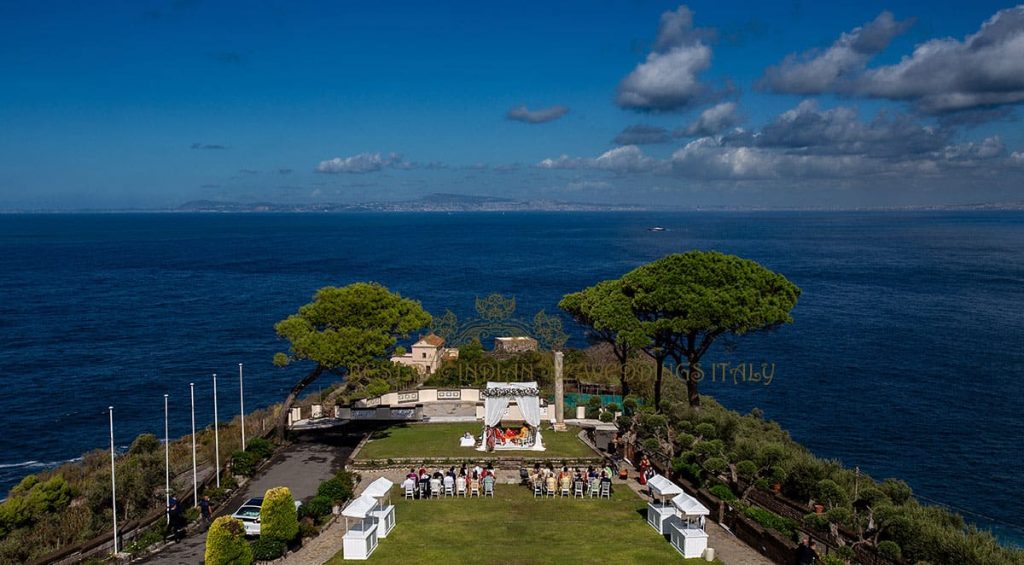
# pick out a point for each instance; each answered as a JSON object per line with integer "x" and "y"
{"x": 249, "y": 514}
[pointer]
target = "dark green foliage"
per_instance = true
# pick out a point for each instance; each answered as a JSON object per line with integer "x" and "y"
{"x": 267, "y": 549}
{"x": 145, "y": 443}
{"x": 243, "y": 463}
{"x": 316, "y": 507}
{"x": 150, "y": 537}
{"x": 723, "y": 492}
{"x": 606, "y": 417}
{"x": 771, "y": 520}
{"x": 260, "y": 447}
{"x": 336, "y": 490}
{"x": 890, "y": 550}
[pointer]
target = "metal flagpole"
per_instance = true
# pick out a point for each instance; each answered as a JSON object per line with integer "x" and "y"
{"x": 167, "y": 462}
{"x": 241, "y": 402}
{"x": 216, "y": 432}
{"x": 195, "y": 478}
{"x": 113, "y": 478}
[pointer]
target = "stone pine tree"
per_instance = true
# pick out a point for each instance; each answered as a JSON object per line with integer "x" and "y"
{"x": 684, "y": 302}
{"x": 608, "y": 314}
{"x": 343, "y": 328}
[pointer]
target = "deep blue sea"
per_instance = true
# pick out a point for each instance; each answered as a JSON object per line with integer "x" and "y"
{"x": 906, "y": 356}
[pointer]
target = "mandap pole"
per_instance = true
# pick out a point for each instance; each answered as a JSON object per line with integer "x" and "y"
{"x": 195, "y": 479}
{"x": 216, "y": 432}
{"x": 113, "y": 478}
{"x": 167, "y": 463}
{"x": 241, "y": 403}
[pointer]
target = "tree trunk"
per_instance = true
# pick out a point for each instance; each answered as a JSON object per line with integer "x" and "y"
{"x": 622, "y": 379}
{"x": 691, "y": 382}
{"x": 282, "y": 418}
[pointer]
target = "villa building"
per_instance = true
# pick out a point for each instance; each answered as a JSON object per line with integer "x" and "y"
{"x": 427, "y": 354}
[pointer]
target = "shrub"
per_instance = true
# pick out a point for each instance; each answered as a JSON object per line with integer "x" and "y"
{"x": 606, "y": 417}
{"x": 890, "y": 550}
{"x": 243, "y": 463}
{"x": 148, "y": 538}
{"x": 746, "y": 469}
{"x": 267, "y": 549}
{"x": 829, "y": 493}
{"x": 705, "y": 430}
{"x": 225, "y": 543}
{"x": 771, "y": 520}
{"x": 723, "y": 492}
{"x": 612, "y": 407}
{"x": 308, "y": 529}
{"x": 260, "y": 447}
{"x": 715, "y": 465}
{"x": 278, "y": 519}
{"x": 335, "y": 490}
{"x": 145, "y": 443}
{"x": 316, "y": 507}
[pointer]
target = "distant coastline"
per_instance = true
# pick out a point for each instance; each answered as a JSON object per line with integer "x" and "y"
{"x": 455, "y": 203}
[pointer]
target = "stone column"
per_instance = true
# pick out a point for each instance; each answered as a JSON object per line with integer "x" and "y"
{"x": 559, "y": 394}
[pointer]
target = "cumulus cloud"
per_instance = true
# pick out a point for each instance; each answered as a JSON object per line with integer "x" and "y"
{"x": 641, "y": 134}
{"x": 361, "y": 163}
{"x": 523, "y": 114}
{"x": 818, "y": 71}
{"x": 669, "y": 77}
{"x": 983, "y": 71}
{"x": 814, "y": 144}
{"x": 714, "y": 120}
{"x": 626, "y": 159}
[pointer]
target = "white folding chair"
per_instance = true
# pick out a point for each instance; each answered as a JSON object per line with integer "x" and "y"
{"x": 489, "y": 488}
{"x": 474, "y": 489}
{"x": 410, "y": 491}
{"x": 538, "y": 489}
{"x": 435, "y": 488}
{"x": 594, "y": 488}
{"x": 563, "y": 490}
{"x": 460, "y": 487}
{"x": 606, "y": 490}
{"x": 449, "y": 490}
{"x": 577, "y": 489}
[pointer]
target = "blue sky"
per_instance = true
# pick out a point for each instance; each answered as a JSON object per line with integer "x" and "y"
{"x": 143, "y": 104}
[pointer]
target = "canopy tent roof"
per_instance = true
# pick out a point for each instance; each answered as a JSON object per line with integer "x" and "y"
{"x": 689, "y": 506}
{"x": 662, "y": 487}
{"x": 378, "y": 488}
{"x": 360, "y": 507}
{"x": 497, "y": 396}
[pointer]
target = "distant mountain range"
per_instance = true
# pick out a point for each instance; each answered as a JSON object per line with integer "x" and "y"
{"x": 437, "y": 202}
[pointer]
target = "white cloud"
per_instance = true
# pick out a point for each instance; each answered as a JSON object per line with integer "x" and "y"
{"x": 362, "y": 163}
{"x": 625, "y": 159}
{"x": 669, "y": 78}
{"x": 714, "y": 120}
{"x": 817, "y": 71}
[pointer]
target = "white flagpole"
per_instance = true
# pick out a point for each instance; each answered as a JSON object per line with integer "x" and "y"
{"x": 195, "y": 478}
{"x": 241, "y": 402}
{"x": 113, "y": 478}
{"x": 167, "y": 462}
{"x": 216, "y": 432}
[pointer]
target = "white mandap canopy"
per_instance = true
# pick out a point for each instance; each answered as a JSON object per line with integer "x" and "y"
{"x": 498, "y": 396}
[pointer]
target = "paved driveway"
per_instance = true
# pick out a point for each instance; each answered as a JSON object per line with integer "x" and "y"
{"x": 312, "y": 457}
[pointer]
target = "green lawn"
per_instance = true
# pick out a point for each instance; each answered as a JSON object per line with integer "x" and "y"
{"x": 514, "y": 527}
{"x": 442, "y": 441}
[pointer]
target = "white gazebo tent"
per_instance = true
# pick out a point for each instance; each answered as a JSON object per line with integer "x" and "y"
{"x": 660, "y": 512}
{"x": 361, "y": 539}
{"x": 384, "y": 512}
{"x": 687, "y": 534}
{"x": 497, "y": 397}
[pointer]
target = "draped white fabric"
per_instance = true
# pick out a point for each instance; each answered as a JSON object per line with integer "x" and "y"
{"x": 494, "y": 410}
{"x": 494, "y": 407}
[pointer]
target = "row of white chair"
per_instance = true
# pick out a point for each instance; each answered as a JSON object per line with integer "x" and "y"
{"x": 438, "y": 491}
{"x": 596, "y": 489}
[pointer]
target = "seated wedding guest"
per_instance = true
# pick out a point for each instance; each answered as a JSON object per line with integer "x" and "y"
{"x": 435, "y": 486}
{"x": 423, "y": 469}
{"x": 412, "y": 475}
{"x": 607, "y": 479}
{"x": 438, "y": 475}
{"x": 476, "y": 475}
{"x": 487, "y": 482}
{"x": 566, "y": 482}
{"x": 460, "y": 484}
{"x": 462, "y": 470}
{"x": 408, "y": 483}
{"x": 477, "y": 469}
{"x": 549, "y": 484}
{"x": 449, "y": 481}
{"x": 451, "y": 472}
{"x": 524, "y": 432}
{"x": 424, "y": 485}
{"x": 591, "y": 472}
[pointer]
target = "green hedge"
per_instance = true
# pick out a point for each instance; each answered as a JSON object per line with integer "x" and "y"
{"x": 268, "y": 549}
{"x": 225, "y": 543}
